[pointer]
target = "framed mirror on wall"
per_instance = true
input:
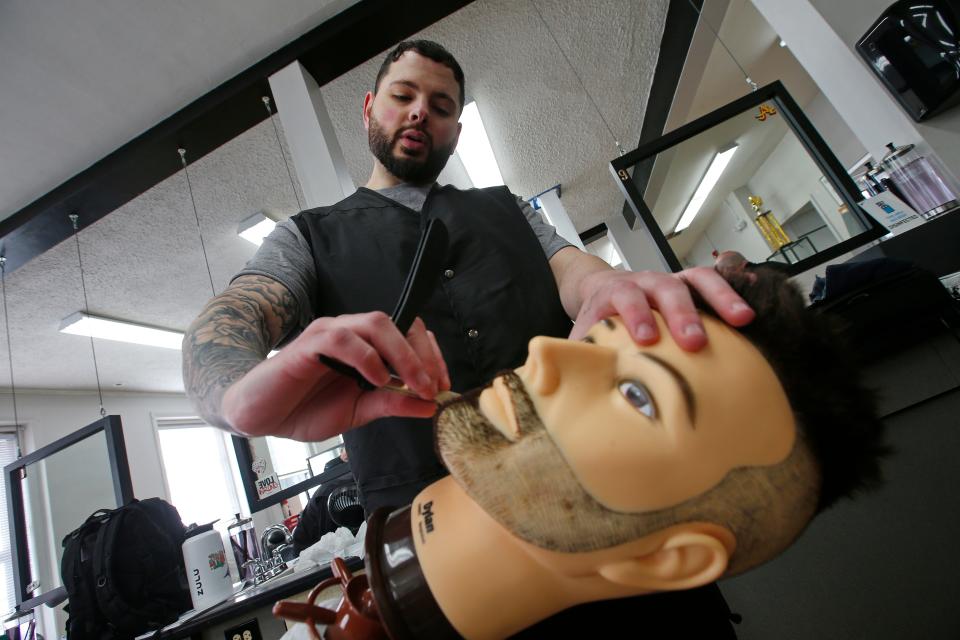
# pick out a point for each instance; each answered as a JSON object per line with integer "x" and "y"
{"x": 753, "y": 176}
{"x": 51, "y": 492}
{"x": 275, "y": 469}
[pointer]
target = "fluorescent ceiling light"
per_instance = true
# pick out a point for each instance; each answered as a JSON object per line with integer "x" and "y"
{"x": 82, "y": 324}
{"x": 475, "y": 151}
{"x": 709, "y": 180}
{"x": 255, "y": 228}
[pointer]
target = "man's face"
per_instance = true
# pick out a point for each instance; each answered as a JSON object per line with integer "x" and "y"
{"x": 412, "y": 122}
{"x": 606, "y": 425}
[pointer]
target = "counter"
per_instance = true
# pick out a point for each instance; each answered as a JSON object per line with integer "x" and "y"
{"x": 253, "y": 603}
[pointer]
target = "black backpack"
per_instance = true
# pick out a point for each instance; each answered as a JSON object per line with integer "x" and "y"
{"x": 123, "y": 571}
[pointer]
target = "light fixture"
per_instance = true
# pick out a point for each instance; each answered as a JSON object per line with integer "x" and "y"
{"x": 475, "y": 151}
{"x": 709, "y": 180}
{"x": 255, "y": 228}
{"x": 84, "y": 324}
{"x": 782, "y": 43}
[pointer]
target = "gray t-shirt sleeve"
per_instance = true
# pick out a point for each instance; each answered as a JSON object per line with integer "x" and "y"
{"x": 285, "y": 256}
{"x": 550, "y": 240}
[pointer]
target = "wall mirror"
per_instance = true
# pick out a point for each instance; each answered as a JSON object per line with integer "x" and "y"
{"x": 50, "y": 492}
{"x": 274, "y": 469}
{"x": 753, "y": 176}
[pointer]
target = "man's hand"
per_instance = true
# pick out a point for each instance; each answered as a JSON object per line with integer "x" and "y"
{"x": 234, "y": 386}
{"x": 591, "y": 291}
{"x": 296, "y": 396}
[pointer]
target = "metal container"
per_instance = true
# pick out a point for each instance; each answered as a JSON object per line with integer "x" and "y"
{"x": 918, "y": 181}
{"x": 243, "y": 541}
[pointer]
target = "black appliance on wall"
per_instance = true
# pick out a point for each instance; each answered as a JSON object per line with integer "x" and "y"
{"x": 914, "y": 48}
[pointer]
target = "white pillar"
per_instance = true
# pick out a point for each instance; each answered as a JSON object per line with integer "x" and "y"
{"x": 317, "y": 157}
{"x": 557, "y": 215}
{"x": 637, "y": 248}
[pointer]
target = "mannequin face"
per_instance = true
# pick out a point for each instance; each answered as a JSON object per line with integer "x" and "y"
{"x": 608, "y": 425}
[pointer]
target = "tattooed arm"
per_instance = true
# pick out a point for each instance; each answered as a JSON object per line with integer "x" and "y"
{"x": 233, "y": 334}
{"x": 293, "y": 394}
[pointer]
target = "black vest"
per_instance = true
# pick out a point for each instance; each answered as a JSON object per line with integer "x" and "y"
{"x": 496, "y": 293}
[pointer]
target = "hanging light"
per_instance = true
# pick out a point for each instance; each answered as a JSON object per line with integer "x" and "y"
{"x": 84, "y": 324}
{"x": 255, "y": 228}
{"x": 707, "y": 183}
{"x": 475, "y": 151}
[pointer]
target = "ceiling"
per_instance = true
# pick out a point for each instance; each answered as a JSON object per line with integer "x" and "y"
{"x": 81, "y": 78}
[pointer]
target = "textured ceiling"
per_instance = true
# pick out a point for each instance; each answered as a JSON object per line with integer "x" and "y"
{"x": 543, "y": 127}
{"x": 80, "y": 78}
{"x": 143, "y": 262}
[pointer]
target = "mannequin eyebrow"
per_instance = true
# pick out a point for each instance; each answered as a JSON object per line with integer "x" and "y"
{"x": 685, "y": 389}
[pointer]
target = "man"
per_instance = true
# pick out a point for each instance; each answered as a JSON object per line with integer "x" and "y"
{"x": 323, "y": 283}
{"x": 602, "y": 469}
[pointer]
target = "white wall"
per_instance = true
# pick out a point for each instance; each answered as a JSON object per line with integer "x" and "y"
{"x": 789, "y": 179}
{"x": 821, "y": 35}
{"x": 834, "y": 131}
{"x": 850, "y": 19}
{"x": 637, "y": 247}
{"x": 48, "y": 416}
{"x": 722, "y": 233}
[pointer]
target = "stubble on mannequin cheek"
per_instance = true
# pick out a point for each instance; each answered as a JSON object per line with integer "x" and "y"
{"x": 525, "y": 484}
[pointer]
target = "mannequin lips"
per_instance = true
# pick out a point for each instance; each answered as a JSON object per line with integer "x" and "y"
{"x": 497, "y": 416}
{"x": 497, "y": 404}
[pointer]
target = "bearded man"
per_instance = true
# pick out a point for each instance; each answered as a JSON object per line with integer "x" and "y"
{"x": 323, "y": 283}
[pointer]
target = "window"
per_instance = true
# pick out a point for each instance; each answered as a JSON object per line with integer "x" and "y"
{"x": 8, "y": 453}
{"x": 198, "y": 467}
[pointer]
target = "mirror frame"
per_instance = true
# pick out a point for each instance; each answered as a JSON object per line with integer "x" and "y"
{"x": 13, "y": 473}
{"x": 808, "y": 136}
{"x": 241, "y": 447}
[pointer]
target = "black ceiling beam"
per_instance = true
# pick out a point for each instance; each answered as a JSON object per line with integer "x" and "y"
{"x": 678, "y": 30}
{"x": 328, "y": 51}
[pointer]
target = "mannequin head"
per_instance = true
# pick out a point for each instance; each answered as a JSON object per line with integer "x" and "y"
{"x": 597, "y": 444}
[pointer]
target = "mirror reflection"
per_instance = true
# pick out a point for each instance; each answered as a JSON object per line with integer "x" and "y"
{"x": 280, "y": 463}
{"x": 59, "y": 492}
{"x": 748, "y": 185}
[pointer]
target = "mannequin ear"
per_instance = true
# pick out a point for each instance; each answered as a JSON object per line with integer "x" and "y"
{"x": 687, "y": 556}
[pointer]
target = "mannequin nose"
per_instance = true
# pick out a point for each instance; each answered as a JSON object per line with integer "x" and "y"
{"x": 552, "y": 360}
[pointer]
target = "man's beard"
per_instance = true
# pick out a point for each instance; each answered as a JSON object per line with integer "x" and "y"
{"x": 526, "y": 484}
{"x": 405, "y": 168}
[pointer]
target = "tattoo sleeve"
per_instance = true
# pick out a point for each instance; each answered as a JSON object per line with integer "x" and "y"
{"x": 234, "y": 332}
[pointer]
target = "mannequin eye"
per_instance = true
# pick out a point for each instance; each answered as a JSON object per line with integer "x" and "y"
{"x": 638, "y": 396}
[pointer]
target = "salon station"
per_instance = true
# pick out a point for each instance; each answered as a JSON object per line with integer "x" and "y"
{"x": 793, "y": 478}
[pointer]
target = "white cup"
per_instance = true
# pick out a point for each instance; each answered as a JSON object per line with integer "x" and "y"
{"x": 207, "y": 572}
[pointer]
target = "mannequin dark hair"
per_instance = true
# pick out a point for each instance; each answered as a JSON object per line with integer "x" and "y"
{"x": 428, "y": 49}
{"x": 834, "y": 411}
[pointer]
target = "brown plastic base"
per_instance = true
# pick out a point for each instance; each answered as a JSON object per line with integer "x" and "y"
{"x": 406, "y": 606}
